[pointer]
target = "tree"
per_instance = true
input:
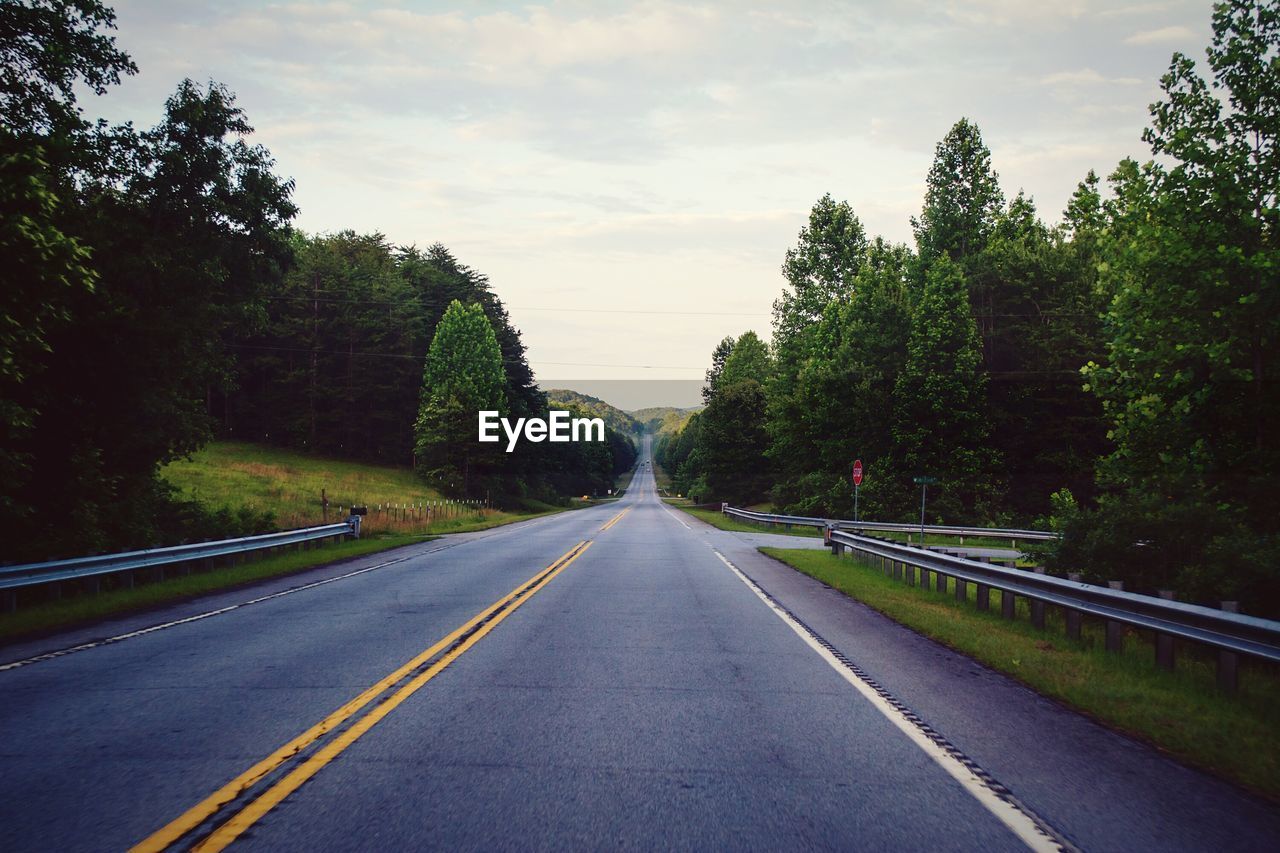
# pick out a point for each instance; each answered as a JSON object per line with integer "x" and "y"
{"x": 820, "y": 273}
{"x": 1193, "y": 327}
{"x": 939, "y": 412}
{"x": 43, "y": 267}
{"x": 47, "y": 49}
{"x": 819, "y": 269}
{"x": 718, "y": 357}
{"x": 185, "y": 244}
{"x": 962, "y": 197}
{"x": 749, "y": 359}
{"x": 463, "y": 376}
{"x": 843, "y": 399}
{"x": 732, "y": 441}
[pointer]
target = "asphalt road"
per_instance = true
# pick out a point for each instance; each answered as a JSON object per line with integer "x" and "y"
{"x": 619, "y": 676}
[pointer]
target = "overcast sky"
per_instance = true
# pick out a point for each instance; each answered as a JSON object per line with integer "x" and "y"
{"x": 628, "y": 157}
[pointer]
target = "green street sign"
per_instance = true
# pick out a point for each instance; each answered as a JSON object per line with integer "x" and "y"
{"x": 925, "y": 481}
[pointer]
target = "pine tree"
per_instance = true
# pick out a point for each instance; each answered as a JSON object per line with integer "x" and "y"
{"x": 939, "y": 415}
{"x": 463, "y": 376}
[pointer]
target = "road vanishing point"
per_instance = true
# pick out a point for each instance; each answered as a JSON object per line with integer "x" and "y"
{"x": 617, "y": 676}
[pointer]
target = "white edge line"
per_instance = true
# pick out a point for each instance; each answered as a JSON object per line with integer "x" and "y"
{"x": 1017, "y": 821}
{"x": 678, "y": 519}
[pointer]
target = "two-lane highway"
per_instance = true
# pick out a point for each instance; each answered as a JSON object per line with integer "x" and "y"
{"x": 620, "y": 676}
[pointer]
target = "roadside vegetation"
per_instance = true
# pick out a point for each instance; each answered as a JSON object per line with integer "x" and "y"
{"x": 1181, "y": 712}
{"x": 157, "y": 297}
{"x": 1107, "y": 371}
{"x": 35, "y": 616}
{"x": 718, "y": 519}
{"x": 286, "y": 486}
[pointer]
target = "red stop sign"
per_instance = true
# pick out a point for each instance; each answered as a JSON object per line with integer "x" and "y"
{"x": 857, "y": 472}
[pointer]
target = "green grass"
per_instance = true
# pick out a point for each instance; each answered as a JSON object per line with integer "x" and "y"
{"x": 43, "y": 616}
{"x": 724, "y": 522}
{"x": 288, "y": 485}
{"x": 1181, "y": 712}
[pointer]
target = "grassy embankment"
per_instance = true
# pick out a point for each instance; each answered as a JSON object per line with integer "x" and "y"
{"x": 287, "y": 485}
{"x": 1181, "y": 712}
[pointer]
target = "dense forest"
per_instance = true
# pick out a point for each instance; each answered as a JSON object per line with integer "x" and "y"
{"x": 155, "y": 296}
{"x": 1113, "y": 375}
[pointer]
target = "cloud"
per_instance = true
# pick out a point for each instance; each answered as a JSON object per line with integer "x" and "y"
{"x": 1164, "y": 35}
{"x": 1086, "y": 77}
{"x": 652, "y": 151}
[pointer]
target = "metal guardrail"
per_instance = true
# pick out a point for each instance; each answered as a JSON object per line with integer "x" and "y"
{"x": 890, "y": 527}
{"x": 1231, "y": 634}
{"x": 17, "y": 577}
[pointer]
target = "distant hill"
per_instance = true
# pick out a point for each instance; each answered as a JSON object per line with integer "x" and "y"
{"x": 613, "y": 417}
{"x": 662, "y": 419}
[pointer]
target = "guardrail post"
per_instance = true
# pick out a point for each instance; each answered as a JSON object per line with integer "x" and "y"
{"x": 897, "y": 570}
{"x": 1074, "y": 618}
{"x": 1008, "y": 604}
{"x": 1037, "y": 607}
{"x": 1115, "y": 630}
{"x": 962, "y": 590}
{"x": 910, "y": 571}
{"x": 1164, "y": 642}
{"x": 983, "y": 597}
{"x": 924, "y": 578}
{"x": 941, "y": 581}
{"x": 1229, "y": 662}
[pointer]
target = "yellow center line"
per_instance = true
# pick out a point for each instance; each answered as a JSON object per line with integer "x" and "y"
{"x": 611, "y": 522}
{"x": 207, "y": 808}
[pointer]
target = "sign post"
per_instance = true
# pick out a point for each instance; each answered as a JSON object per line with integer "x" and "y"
{"x": 924, "y": 483}
{"x": 857, "y": 481}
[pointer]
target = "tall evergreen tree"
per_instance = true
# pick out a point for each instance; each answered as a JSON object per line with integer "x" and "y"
{"x": 463, "y": 375}
{"x": 939, "y": 416}
{"x": 962, "y": 197}
{"x": 718, "y": 357}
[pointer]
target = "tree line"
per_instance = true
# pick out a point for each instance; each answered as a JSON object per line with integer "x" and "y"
{"x": 155, "y": 295}
{"x": 1112, "y": 375}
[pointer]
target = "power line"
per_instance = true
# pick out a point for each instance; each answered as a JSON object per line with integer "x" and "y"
{"x": 414, "y": 304}
{"x": 309, "y": 351}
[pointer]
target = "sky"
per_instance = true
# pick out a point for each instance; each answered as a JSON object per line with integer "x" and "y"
{"x": 630, "y": 175}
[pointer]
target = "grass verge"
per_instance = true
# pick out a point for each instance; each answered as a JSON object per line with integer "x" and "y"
{"x": 724, "y": 522}
{"x": 1180, "y": 712}
{"x": 41, "y": 617}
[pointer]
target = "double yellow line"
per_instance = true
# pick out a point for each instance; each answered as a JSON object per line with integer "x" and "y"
{"x": 611, "y": 522}
{"x": 435, "y": 659}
